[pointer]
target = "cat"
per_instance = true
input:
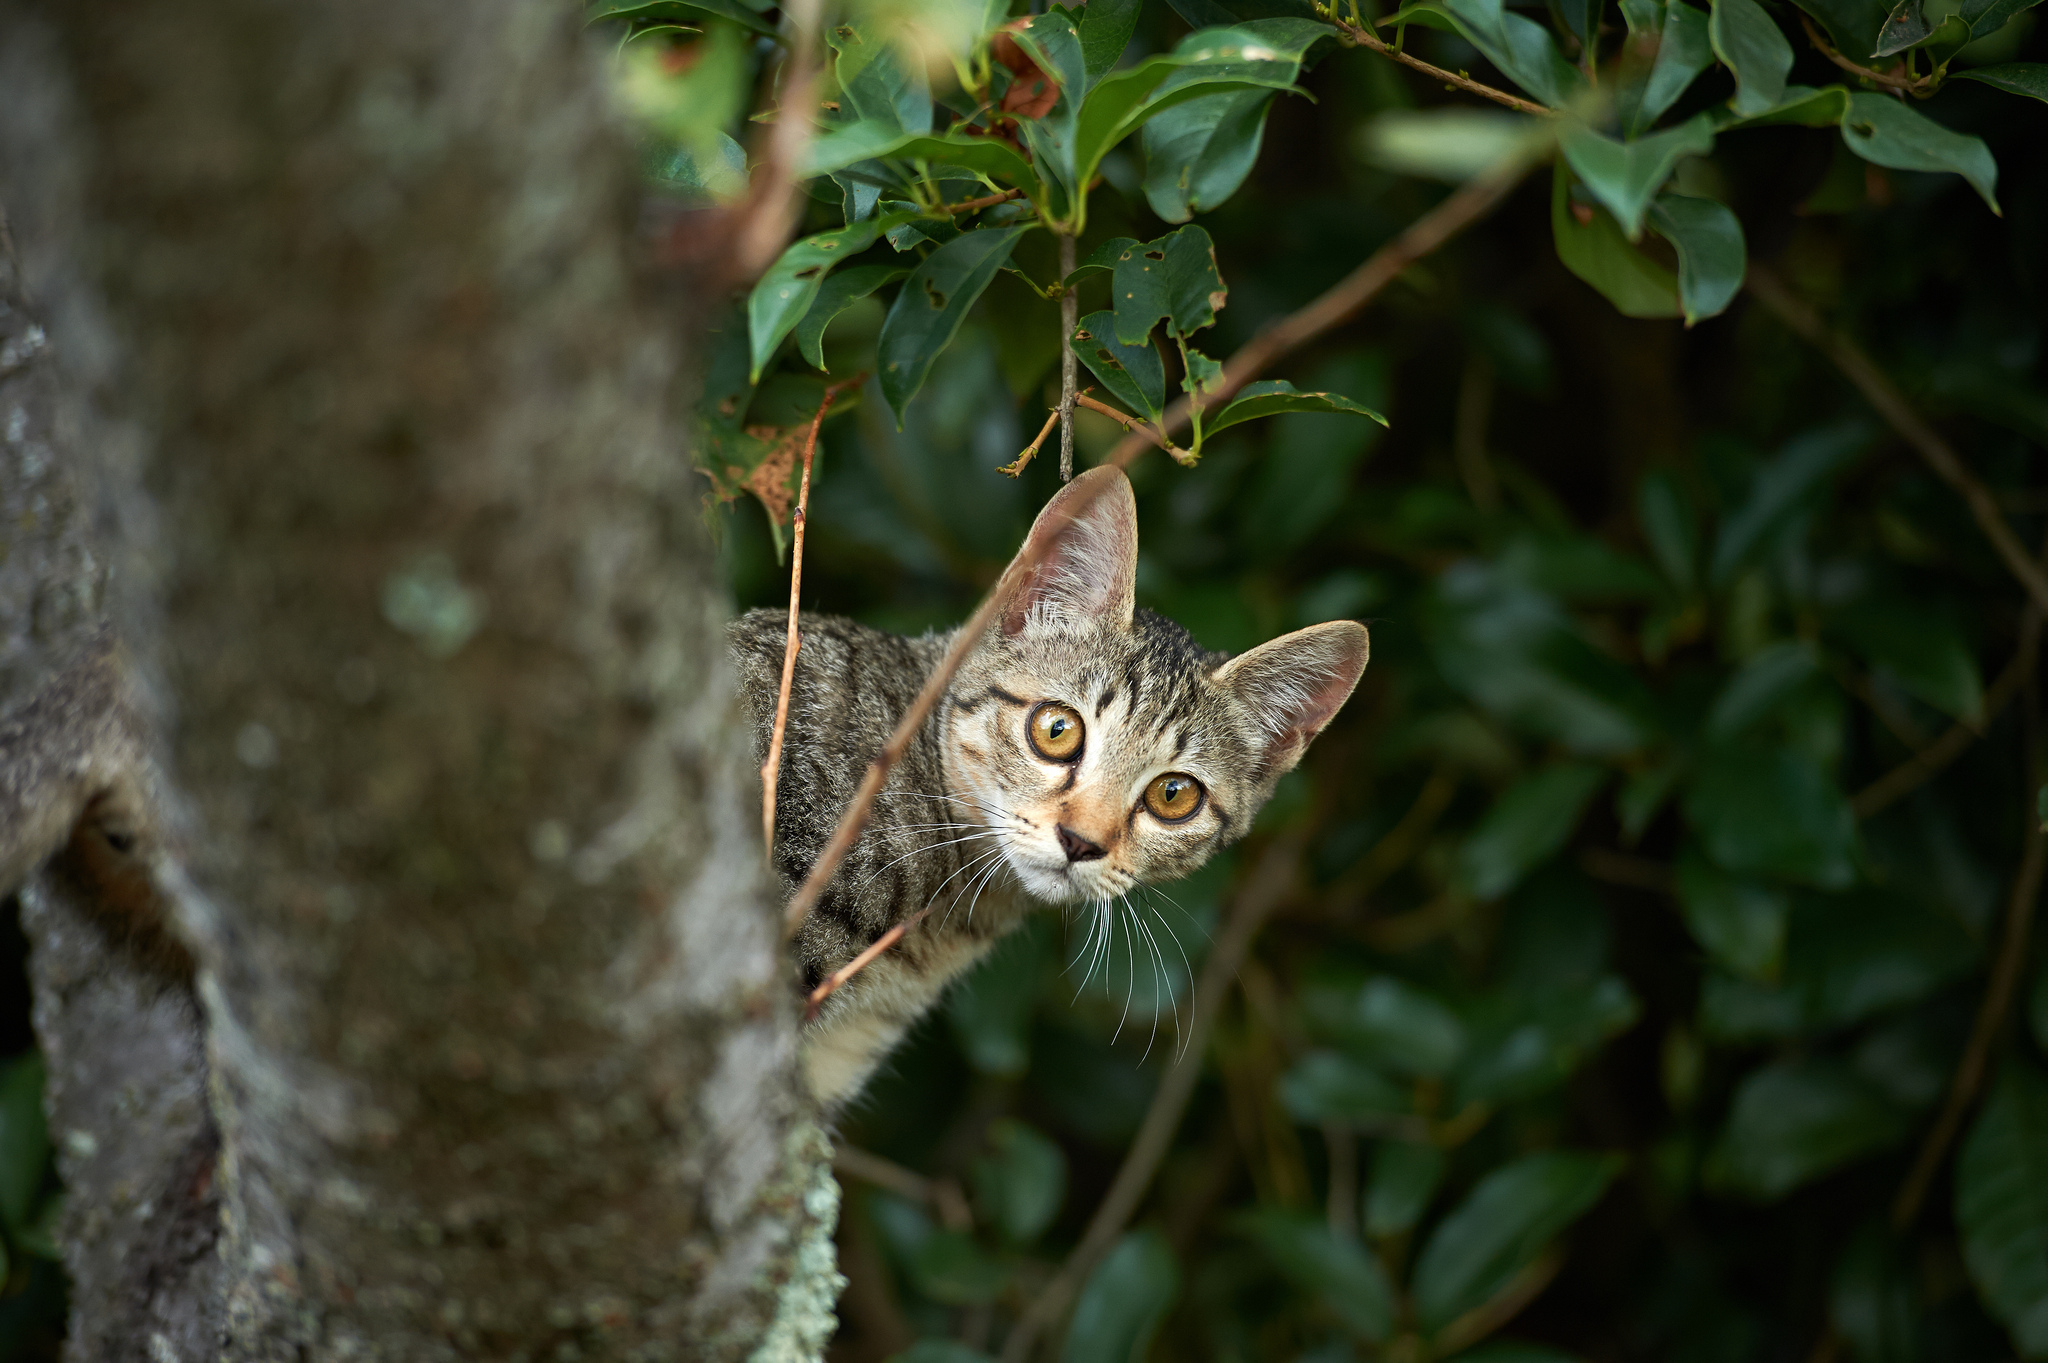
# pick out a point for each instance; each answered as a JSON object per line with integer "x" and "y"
{"x": 1085, "y": 747}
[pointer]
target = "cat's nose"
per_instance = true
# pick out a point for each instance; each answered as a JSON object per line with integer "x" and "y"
{"x": 1077, "y": 847}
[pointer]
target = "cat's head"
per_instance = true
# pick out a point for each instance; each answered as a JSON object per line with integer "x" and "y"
{"x": 1108, "y": 747}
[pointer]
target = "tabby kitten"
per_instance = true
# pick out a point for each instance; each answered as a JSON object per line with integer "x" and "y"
{"x": 1083, "y": 749}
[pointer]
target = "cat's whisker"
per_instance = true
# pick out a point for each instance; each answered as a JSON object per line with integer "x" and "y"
{"x": 1130, "y": 979}
{"x": 920, "y": 851}
{"x": 972, "y": 803}
{"x": 1158, "y": 978}
{"x": 1174, "y": 937}
{"x": 1192, "y": 922}
{"x": 981, "y": 882}
{"x": 976, "y": 861}
{"x": 969, "y": 884}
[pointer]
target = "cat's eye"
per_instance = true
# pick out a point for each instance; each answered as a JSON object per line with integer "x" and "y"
{"x": 1173, "y": 797}
{"x": 1055, "y": 732}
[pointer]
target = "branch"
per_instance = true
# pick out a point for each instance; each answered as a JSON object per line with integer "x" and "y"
{"x": 1920, "y": 86}
{"x": 1354, "y": 36}
{"x": 771, "y": 769}
{"x": 1015, "y": 467}
{"x": 1878, "y": 391}
{"x": 764, "y": 221}
{"x": 985, "y": 201}
{"x": 1185, "y": 458}
{"x": 1347, "y": 297}
{"x": 1908, "y": 776}
{"x": 1070, "y": 318}
{"x": 1268, "y": 883}
{"x": 1338, "y": 305}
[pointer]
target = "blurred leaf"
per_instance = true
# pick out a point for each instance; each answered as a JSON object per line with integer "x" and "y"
{"x": 1054, "y": 44}
{"x": 1760, "y": 686}
{"x": 1310, "y": 462}
{"x": 2037, "y": 1008}
{"x": 1643, "y": 795}
{"x": 1794, "y": 1120}
{"x": 1198, "y": 153}
{"x": 1021, "y": 1182}
{"x": 1853, "y": 24}
{"x": 950, "y": 1267}
{"x": 932, "y": 304}
{"x": 1740, "y": 922}
{"x": 1579, "y": 569}
{"x": 839, "y": 292}
{"x": 1711, "y": 256}
{"x": 1684, "y": 49}
{"x": 1523, "y": 1045}
{"x": 24, "y": 1143}
{"x": 1597, "y": 251}
{"x": 1520, "y": 47}
{"x": 1123, "y": 1302}
{"x": 875, "y": 81}
{"x": 1872, "y": 1300}
{"x": 1504, "y": 1224}
{"x": 788, "y": 288}
{"x": 1106, "y": 29}
{"x": 940, "y": 1351}
{"x": 1325, "y": 1086}
{"x": 1174, "y": 280}
{"x": 713, "y": 170}
{"x": 1405, "y": 1177}
{"x": 1347, "y": 1280}
{"x": 1271, "y": 397}
{"x": 1625, "y": 176}
{"x": 1988, "y": 16}
{"x": 866, "y": 140}
{"x": 1671, "y": 527}
{"x": 1515, "y": 1351}
{"x": 1518, "y": 655}
{"x": 1452, "y": 144}
{"x": 1802, "y": 106}
{"x": 2002, "y": 1205}
{"x": 1780, "y": 489}
{"x": 1922, "y": 646}
{"x": 2015, "y": 78}
{"x": 1772, "y": 811}
{"x": 1528, "y": 824}
{"x": 1399, "y": 1027}
{"x": 1885, "y": 132}
{"x": 687, "y": 10}
{"x": 1133, "y": 374}
{"x": 1747, "y": 40}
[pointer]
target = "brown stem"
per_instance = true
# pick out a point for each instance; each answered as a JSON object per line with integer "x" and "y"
{"x": 1070, "y": 317}
{"x": 1923, "y": 86}
{"x": 1134, "y": 426}
{"x": 1016, "y": 466}
{"x": 1338, "y": 305}
{"x": 817, "y": 997}
{"x": 2006, "y": 967}
{"x": 771, "y": 769}
{"x": 1878, "y": 391}
{"x": 985, "y": 201}
{"x": 1366, "y": 38}
{"x": 1269, "y": 881}
{"x": 1343, "y": 300}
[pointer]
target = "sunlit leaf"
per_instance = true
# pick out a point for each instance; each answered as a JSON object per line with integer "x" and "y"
{"x": 1199, "y": 152}
{"x": 867, "y": 140}
{"x": 2002, "y": 1205}
{"x": 1347, "y": 1280}
{"x": 1712, "y": 258}
{"x": 1501, "y": 1226}
{"x": 1886, "y": 132}
{"x": 1747, "y": 40}
{"x": 1451, "y": 143}
{"x": 1797, "y": 1119}
{"x": 1055, "y": 45}
{"x": 932, "y": 304}
{"x": 875, "y": 81}
{"x": 1123, "y": 1301}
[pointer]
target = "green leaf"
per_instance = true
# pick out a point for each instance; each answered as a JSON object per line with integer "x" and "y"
{"x": 839, "y": 292}
{"x": 1055, "y": 45}
{"x": 1133, "y": 373}
{"x": 1271, "y": 397}
{"x": 1794, "y": 1120}
{"x": 785, "y": 293}
{"x": 950, "y": 1267}
{"x": 1748, "y": 42}
{"x": 1106, "y": 29}
{"x": 1198, "y": 153}
{"x": 1624, "y": 176}
{"x": 1779, "y": 491}
{"x": 1986, "y": 17}
{"x": 990, "y": 1009}
{"x": 1325, "y": 1086}
{"x": 1508, "y": 1219}
{"x": 1339, "y": 1272}
{"x": 24, "y": 1143}
{"x": 1452, "y": 143}
{"x": 1526, "y": 826}
{"x": 1123, "y": 1302}
{"x": 1598, "y": 252}
{"x": 1711, "y": 256}
{"x": 1853, "y": 24}
{"x": 1772, "y": 811}
{"x": 734, "y": 10}
{"x": 940, "y": 1351}
{"x": 932, "y": 304}
{"x": 1803, "y": 106}
{"x": 1761, "y": 685}
{"x": 1021, "y": 1182}
{"x": 1405, "y": 1177}
{"x": 1670, "y": 527}
{"x": 2002, "y": 1205}
{"x": 867, "y": 140}
{"x": 1397, "y": 1026}
{"x": 1740, "y": 922}
{"x": 1872, "y": 1301}
{"x": 1906, "y": 26}
{"x": 1922, "y": 646}
{"x": 2015, "y": 78}
{"x": 1522, "y": 48}
{"x": 1102, "y": 259}
{"x": 1523, "y": 1044}
{"x": 1173, "y": 279}
{"x": 1885, "y": 132}
{"x": 1684, "y": 49}
{"x": 876, "y": 83}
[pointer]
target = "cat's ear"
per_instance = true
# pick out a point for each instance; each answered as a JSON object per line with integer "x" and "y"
{"x": 1294, "y": 685}
{"x": 1088, "y": 534}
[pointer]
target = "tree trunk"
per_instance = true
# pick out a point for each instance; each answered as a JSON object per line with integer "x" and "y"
{"x": 419, "y": 728}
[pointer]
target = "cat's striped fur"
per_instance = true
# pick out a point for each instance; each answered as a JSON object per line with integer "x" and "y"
{"x": 975, "y": 820}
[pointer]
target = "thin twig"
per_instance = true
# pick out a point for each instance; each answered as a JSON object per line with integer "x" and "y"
{"x": 830, "y": 985}
{"x": 985, "y": 201}
{"x": 2006, "y": 968}
{"x": 771, "y": 769}
{"x": 1912, "y": 85}
{"x": 1908, "y": 776}
{"x": 1015, "y": 467}
{"x": 1070, "y": 317}
{"x": 1342, "y": 301}
{"x": 1134, "y": 426}
{"x": 943, "y": 1195}
{"x": 1355, "y": 36}
{"x": 1353, "y": 292}
{"x": 1268, "y": 883}
{"x": 1878, "y": 391}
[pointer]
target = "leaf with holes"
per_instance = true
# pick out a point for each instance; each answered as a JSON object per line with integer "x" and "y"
{"x": 1173, "y": 279}
{"x": 932, "y": 304}
{"x": 1133, "y": 373}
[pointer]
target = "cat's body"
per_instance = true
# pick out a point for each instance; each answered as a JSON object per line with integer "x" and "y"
{"x": 1084, "y": 748}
